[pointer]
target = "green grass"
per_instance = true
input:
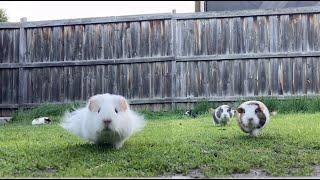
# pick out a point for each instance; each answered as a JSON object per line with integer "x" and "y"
{"x": 171, "y": 143}
{"x": 301, "y": 105}
{"x": 50, "y": 110}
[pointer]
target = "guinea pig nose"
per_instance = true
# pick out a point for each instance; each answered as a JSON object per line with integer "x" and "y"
{"x": 250, "y": 119}
{"x": 107, "y": 121}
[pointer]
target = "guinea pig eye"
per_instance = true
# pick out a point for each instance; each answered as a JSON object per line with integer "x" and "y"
{"x": 257, "y": 110}
{"x": 115, "y": 110}
{"x": 241, "y": 110}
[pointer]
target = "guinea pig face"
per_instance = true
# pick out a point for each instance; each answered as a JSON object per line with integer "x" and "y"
{"x": 109, "y": 110}
{"x": 252, "y": 114}
{"x": 224, "y": 112}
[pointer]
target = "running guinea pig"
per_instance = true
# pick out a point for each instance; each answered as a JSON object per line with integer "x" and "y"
{"x": 252, "y": 117}
{"x": 222, "y": 115}
{"x": 106, "y": 119}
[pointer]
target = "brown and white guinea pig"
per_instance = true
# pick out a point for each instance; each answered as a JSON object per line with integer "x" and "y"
{"x": 222, "y": 115}
{"x": 252, "y": 117}
{"x": 106, "y": 119}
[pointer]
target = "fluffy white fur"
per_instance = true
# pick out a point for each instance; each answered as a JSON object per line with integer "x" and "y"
{"x": 106, "y": 119}
{"x": 252, "y": 117}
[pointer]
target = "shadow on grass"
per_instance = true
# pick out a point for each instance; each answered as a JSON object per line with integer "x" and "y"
{"x": 261, "y": 137}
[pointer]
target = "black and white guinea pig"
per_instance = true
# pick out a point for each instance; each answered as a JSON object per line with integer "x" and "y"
{"x": 41, "y": 120}
{"x": 222, "y": 115}
{"x": 252, "y": 117}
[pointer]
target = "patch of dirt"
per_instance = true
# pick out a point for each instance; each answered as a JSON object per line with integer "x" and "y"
{"x": 193, "y": 174}
{"x": 43, "y": 170}
{"x": 316, "y": 171}
{"x": 260, "y": 173}
{"x": 252, "y": 174}
{"x": 291, "y": 171}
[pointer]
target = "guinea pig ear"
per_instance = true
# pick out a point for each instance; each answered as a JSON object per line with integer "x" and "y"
{"x": 240, "y": 110}
{"x": 123, "y": 105}
{"x": 219, "y": 112}
{"x": 47, "y": 120}
{"x": 94, "y": 105}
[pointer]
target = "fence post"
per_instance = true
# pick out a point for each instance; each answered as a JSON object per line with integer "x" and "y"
{"x": 174, "y": 62}
{"x": 22, "y": 56}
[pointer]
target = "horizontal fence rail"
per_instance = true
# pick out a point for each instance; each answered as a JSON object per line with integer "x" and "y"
{"x": 161, "y": 60}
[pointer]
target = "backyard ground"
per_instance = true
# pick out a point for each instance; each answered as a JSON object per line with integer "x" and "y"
{"x": 171, "y": 145}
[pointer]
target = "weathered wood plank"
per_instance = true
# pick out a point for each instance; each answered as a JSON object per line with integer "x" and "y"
{"x": 212, "y": 37}
{"x": 169, "y": 100}
{"x": 219, "y": 42}
{"x": 255, "y": 77}
{"x": 297, "y": 32}
{"x": 238, "y": 77}
{"x": 263, "y": 36}
{"x": 247, "y": 56}
{"x": 10, "y": 25}
{"x": 173, "y": 75}
{"x": 310, "y": 75}
{"x": 3, "y": 86}
{"x": 96, "y": 20}
{"x": 304, "y": 76}
{"x": 316, "y": 26}
{"x": 66, "y": 84}
{"x": 273, "y": 33}
{"x": 287, "y": 76}
{"x": 284, "y": 33}
{"x": 205, "y": 78}
{"x": 85, "y": 62}
{"x": 317, "y": 75}
{"x": 15, "y": 88}
{"x": 160, "y": 59}
{"x": 145, "y": 80}
{"x": 305, "y": 35}
{"x": 263, "y": 77}
{"x": 167, "y": 80}
{"x": 22, "y": 82}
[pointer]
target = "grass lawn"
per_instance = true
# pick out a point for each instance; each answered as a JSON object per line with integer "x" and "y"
{"x": 170, "y": 144}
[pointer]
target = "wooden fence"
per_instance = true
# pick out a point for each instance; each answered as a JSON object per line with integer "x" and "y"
{"x": 161, "y": 60}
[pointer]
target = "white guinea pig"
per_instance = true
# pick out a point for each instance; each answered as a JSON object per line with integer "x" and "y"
{"x": 252, "y": 117}
{"x": 106, "y": 119}
{"x": 222, "y": 115}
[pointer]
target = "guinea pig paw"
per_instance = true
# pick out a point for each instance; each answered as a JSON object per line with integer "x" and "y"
{"x": 118, "y": 145}
{"x": 255, "y": 133}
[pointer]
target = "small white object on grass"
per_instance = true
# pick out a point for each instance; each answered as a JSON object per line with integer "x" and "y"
{"x": 4, "y": 120}
{"x": 274, "y": 113}
{"x": 41, "y": 120}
